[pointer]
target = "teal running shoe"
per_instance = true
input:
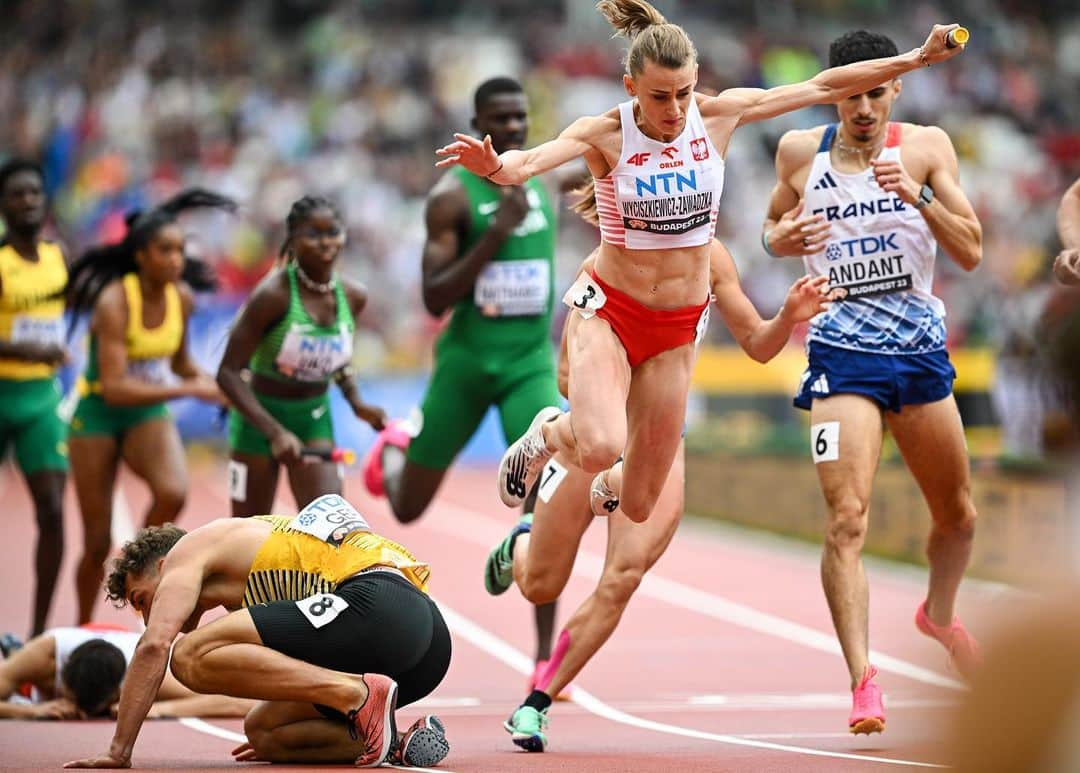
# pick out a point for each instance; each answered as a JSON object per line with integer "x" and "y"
{"x": 499, "y": 567}
{"x": 526, "y": 728}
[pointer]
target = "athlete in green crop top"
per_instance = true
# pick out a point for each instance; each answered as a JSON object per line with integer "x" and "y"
{"x": 489, "y": 256}
{"x": 293, "y": 336}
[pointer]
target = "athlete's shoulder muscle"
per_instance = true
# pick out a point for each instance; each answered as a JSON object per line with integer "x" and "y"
{"x": 798, "y": 147}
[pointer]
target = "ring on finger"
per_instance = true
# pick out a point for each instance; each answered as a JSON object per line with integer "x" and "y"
{"x": 805, "y": 242}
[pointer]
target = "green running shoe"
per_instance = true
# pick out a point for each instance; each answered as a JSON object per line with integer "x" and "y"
{"x": 526, "y": 728}
{"x": 499, "y": 567}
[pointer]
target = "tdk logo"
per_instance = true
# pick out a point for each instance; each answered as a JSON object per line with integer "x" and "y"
{"x": 863, "y": 246}
{"x": 666, "y": 183}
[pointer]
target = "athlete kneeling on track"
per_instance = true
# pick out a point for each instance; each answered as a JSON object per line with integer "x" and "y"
{"x": 539, "y": 552}
{"x": 328, "y": 633}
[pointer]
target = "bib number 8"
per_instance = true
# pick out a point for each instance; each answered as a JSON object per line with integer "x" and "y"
{"x": 322, "y": 608}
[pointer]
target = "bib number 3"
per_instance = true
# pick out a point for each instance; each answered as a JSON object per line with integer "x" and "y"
{"x": 585, "y": 297}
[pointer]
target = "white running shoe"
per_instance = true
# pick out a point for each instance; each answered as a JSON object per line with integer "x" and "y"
{"x": 524, "y": 459}
{"x": 602, "y": 499}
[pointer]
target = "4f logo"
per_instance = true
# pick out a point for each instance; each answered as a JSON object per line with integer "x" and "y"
{"x": 639, "y": 159}
{"x": 700, "y": 149}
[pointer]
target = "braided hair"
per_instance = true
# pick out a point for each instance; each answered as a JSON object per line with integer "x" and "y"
{"x": 95, "y": 268}
{"x": 299, "y": 212}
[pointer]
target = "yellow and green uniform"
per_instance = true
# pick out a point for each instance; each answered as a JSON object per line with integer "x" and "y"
{"x": 293, "y": 565}
{"x": 496, "y": 349}
{"x": 297, "y": 350}
{"x": 324, "y": 589}
{"x": 32, "y": 310}
{"x": 150, "y": 353}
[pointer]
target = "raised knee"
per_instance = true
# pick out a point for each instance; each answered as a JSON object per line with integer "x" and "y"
{"x": 184, "y": 663}
{"x": 539, "y": 587}
{"x": 598, "y": 452}
{"x": 618, "y": 585}
{"x": 636, "y": 510}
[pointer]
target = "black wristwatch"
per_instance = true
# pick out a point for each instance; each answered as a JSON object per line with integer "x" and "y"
{"x": 926, "y": 195}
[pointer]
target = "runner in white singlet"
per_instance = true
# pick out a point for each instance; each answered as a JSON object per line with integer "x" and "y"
{"x": 866, "y": 202}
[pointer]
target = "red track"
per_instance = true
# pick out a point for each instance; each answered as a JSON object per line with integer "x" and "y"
{"x": 721, "y": 663}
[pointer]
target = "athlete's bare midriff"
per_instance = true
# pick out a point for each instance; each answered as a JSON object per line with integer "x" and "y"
{"x": 658, "y": 279}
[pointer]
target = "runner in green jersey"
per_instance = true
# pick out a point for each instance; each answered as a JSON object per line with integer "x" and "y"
{"x": 292, "y": 337}
{"x": 489, "y": 256}
{"x": 32, "y": 272}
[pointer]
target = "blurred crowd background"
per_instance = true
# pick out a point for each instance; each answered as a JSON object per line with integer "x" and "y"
{"x": 125, "y": 101}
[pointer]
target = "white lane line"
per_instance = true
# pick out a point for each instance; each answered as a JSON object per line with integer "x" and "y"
{"x": 808, "y": 701}
{"x": 201, "y": 726}
{"x": 523, "y": 664}
{"x": 470, "y": 525}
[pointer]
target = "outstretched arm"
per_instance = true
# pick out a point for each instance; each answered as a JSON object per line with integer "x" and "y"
{"x": 832, "y": 85}
{"x": 174, "y": 602}
{"x": 516, "y": 166}
{"x": 1067, "y": 263}
{"x": 759, "y": 338}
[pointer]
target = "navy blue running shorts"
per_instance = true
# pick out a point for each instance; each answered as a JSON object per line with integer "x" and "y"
{"x": 890, "y": 380}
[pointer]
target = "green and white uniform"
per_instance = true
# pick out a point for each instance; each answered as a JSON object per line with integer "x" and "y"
{"x": 496, "y": 349}
{"x": 32, "y": 309}
{"x": 297, "y": 350}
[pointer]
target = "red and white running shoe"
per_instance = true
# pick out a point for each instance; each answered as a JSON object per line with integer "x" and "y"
{"x": 396, "y": 433}
{"x": 373, "y": 723}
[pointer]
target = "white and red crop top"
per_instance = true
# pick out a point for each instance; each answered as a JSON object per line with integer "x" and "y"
{"x": 661, "y": 195}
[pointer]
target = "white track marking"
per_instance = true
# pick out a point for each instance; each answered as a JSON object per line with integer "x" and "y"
{"x": 590, "y": 565}
{"x": 808, "y": 701}
{"x": 523, "y": 664}
{"x": 201, "y": 726}
{"x": 218, "y": 732}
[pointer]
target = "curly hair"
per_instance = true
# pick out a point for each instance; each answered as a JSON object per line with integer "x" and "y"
{"x": 137, "y": 556}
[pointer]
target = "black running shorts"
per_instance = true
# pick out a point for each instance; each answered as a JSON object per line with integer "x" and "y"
{"x": 377, "y": 622}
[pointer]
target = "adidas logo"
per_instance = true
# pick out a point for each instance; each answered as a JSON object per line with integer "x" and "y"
{"x": 825, "y": 182}
{"x": 820, "y": 385}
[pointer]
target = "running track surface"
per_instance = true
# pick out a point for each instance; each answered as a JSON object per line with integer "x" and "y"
{"x": 724, "y": 661}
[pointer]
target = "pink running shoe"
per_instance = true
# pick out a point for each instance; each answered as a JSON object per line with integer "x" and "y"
{"x": 867, "y": 712}
{"x": 963, "y": 649}
{"x": 373, "y": 723}
{"x": 396, "y": 434}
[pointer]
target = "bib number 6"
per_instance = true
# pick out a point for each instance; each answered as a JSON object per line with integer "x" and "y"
{"x": 825, "y": 441}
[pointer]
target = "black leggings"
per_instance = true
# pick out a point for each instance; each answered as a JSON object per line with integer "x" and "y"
{"x": 388, "y": 627}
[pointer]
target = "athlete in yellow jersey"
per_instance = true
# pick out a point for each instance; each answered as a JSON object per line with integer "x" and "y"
{"x": 329, "y": 626}
{"x": 32, "y": 279}
{"x": 139, "y": 293}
